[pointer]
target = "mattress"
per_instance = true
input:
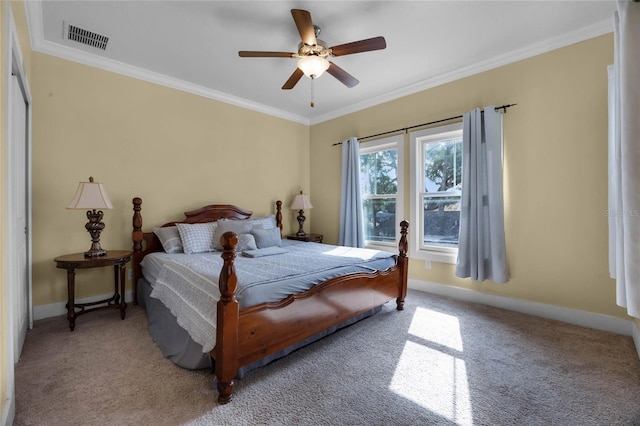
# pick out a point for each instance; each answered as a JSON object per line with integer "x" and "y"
{"x": 270, "y": 278}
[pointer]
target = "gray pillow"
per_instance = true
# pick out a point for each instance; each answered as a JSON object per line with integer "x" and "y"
{"x": 237, "y": 226}
{"x": 169, "y": 238}
{"x": 267, "y": 222}
{"x": 267, "y": 237}
{"x": 268, "y": 251}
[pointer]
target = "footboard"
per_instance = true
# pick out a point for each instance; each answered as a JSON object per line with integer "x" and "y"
{"x": 248, "y": 334}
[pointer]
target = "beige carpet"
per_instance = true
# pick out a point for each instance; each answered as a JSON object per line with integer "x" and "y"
{"x": 439, "y": 362}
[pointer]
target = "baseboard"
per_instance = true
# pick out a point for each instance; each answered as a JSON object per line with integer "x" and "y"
{"x": 59, "y": 308}
{"x": 572, "y": 316}
{"x": 9, "y": 411}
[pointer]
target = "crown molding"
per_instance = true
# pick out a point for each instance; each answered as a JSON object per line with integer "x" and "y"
{"x": 39, "y": 44}
{"x": 595, "y": 30}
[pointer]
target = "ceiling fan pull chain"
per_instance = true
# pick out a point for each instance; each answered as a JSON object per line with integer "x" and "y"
{"x": 312, "y": 95}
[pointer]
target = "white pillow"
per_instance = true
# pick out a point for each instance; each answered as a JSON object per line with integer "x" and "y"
{"x": 245, "y": 242}
{"x": 197, "y": 237}
{"x": 237, "y": 226}
{"x": 169, "y": 238}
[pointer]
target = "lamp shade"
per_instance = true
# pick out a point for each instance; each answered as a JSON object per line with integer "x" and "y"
{"x": 90, "y": 195}
{"x": 313, "y": 65}
{"x": 301, "y": 202}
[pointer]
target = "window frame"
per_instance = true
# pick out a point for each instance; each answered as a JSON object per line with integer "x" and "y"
{"x": 393, "y": 142}
{"x": 417, "y": 248}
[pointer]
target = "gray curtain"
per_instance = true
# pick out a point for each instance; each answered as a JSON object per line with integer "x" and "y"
{"x": 624, "y": 158}
{"x": 481, "y": 248}
{"x": 351, "y": 218}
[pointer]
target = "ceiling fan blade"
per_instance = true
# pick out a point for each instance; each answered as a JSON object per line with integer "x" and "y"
{"x": 344, "y": 77}
{"x": 253, "y": 54}
{"x": 303, "y": 21}
{"x": 375, "y": 43}
{"x": 293, "y": 80}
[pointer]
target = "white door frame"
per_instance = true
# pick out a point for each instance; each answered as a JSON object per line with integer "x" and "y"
{"x": 15, "y": 66}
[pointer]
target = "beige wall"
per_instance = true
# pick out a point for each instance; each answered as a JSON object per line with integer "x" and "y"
{"x": 555, "y": 171}
{"x": 175, "y": 150}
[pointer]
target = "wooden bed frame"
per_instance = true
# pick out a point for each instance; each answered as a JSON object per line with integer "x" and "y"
{"x": 252, "y": 333}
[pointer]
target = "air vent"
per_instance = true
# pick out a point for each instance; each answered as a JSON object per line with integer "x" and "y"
{"x": 87, "y": 37}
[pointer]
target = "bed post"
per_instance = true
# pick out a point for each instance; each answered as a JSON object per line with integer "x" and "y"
{"x": 279, "y": 215}
{"x": 226, "y": 350}
{"x": 137, "y": 238}
{"x": 403, "y": 264}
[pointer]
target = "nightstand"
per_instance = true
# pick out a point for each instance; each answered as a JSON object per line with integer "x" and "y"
{"x": 315, "y": 238}
{"x": 116, "y": 258}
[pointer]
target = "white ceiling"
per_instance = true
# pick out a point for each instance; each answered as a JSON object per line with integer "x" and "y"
{"x": 193, "y": 45}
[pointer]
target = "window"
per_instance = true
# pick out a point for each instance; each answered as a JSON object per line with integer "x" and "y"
{"x": 381, "y": 188}
{"x": 436, "y": 185}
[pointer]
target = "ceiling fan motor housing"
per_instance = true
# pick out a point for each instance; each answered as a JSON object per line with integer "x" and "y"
{"x": 318, "y": 49}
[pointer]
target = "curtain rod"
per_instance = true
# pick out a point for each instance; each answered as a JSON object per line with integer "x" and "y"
{"x": 404, "y": 129}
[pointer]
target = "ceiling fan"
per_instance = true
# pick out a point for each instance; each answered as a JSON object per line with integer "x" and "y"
{"x": 312, "y": 53}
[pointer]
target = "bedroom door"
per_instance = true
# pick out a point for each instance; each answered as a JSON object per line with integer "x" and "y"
{"x": 17, "y": 218}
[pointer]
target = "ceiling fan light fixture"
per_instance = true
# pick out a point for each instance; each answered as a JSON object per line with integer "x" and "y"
{"x": 313, "y": 66}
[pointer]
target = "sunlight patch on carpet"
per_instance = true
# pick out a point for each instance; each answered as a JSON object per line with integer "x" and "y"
{"x": 431, "y": 371}
{"x": 434, "y": 380}
{"x": 436, "y": 327}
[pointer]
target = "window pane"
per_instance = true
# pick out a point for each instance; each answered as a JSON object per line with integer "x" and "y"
{"x": 380, "y": 220}
{"x": 378, "y": 173}
{"x": 442, "y": 165}
{"x": 441, "y": 220}
{"x": 442, "y": 182}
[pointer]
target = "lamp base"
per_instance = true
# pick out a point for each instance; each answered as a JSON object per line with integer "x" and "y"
{"x": 95, "y": 253}
{"x": 301, "y": 219}
{"x": 94, "y": 227}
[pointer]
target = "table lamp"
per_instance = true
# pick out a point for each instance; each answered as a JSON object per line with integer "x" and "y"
{"x": 92, "y": 196}
{"x": 300, "y": 203}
